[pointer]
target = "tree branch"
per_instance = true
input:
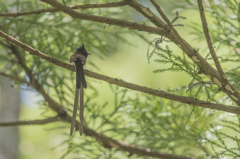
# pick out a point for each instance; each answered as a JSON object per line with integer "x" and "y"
{"x": 31, "y": 122}
{"x": 85, "y": 6}
{"x": 208, "y": 70}
{"x": 146, "y": 12}
{"x": 182, "y": 99}
{"x": 14, "y": 78}
{"x": 163, "y": 16}
{"x": 209, "y": 42}
{"x": 107, "y": 20}
{"x": 192, "y": 53}
{"x": 107, "y": 141}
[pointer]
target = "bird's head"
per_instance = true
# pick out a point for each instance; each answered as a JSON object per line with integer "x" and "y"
{"x": 82, "y": 50}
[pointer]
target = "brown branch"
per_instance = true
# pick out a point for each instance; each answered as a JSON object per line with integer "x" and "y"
{"x": 107, "y": 20}
{"x": 163, "y": 15}
{"x": 209, "y": 42}
{"x": 215, "y": 76}
{"x": 106, "y": 141}
{"x": 85, "y": 6}
{"x": 207, "y": 69}
{"x": 31, "y": 122}
{"x": 192, "y": 53}
{"x": 165, "y": 18}
{"x": 146, "y": 12}
{"x": 182, "y": 99}
{"x": 34, "y": 82}
{"x": 15, "y": 78}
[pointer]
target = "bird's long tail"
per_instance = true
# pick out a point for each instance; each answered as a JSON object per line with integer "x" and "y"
{"x": 74, "y": 110}
{"x": 81, "y": 110}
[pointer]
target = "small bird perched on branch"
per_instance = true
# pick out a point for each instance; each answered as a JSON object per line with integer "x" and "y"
{"x": 79, "y": 58}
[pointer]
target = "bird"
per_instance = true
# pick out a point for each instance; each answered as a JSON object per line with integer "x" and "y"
{"x": 79, "y": 58}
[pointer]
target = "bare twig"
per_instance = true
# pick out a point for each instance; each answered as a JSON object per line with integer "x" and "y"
{"x": 163, "y": 16}
{"x": 182, "y": 99}
{"x": 146, "y": 12}
{"x": 157, "y": 42}
{"x": 85, "y": 6}
{"x": 190, "y": 86}
{"x": 209, "y": 42}
{"x": 177, "y": 17}
{"x": 31, "y": 122}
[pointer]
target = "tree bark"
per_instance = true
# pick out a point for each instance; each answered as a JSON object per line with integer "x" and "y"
{"x": 9, "y": 111}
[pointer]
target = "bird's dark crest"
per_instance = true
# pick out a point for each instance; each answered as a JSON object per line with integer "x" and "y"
{"x": 82, "y": 50}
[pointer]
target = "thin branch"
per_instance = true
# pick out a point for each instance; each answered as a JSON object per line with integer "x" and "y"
{"x": 208, "y": 70}
{"x": 107, "y": 20}
{"x": 107, "y": 141}
{"x": 15, "y": 78}
{"x": 209, "y": 42}
{"x": 164, "y": 16}
{"x": 146, "y": 12}
{"x": 190, "y": 86}
{"x": 192, "y": 53}
{"x": 34, "y": 83}
{"x": 31, "y": 122}
{"x": 85, "y": 6}
{"x": 161, "y": 30}
{"x": 182, "y": 99}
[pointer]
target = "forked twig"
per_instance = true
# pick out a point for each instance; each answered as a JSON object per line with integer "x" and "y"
{"x": 156, "y": 46}
{"x": 176, "y": 18}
